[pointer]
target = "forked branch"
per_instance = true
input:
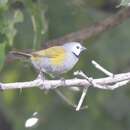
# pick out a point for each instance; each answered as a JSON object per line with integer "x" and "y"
{"x": 110, "y": 82}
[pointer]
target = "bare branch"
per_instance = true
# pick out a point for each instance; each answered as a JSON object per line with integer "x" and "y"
{"x": 82, "y": 99}
{"x": 81, "y": 83}
{"x": 108, "y": 83}
{"x": 102, "y": 69}
{"x": 95, "y": 29}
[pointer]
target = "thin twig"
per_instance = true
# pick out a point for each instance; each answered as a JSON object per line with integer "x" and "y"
{"x": 65, "y": 99}
{"x": 108, "y": 83}
{"x": 99, "y": 67}
{"x": 81, "y": 83}
{"x": 94, "y": 29}
{"x": 111, "y": 87}
{"x": 35, "y": 31}
{"x": 82, "y": 99}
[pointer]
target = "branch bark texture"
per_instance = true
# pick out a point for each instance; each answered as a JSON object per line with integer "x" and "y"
{"x": 110, "y": 82}
{"x": 95, "y": 29}
{"x": 102, "y": 83}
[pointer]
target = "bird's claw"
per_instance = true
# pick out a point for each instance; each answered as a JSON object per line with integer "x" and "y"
{"x": 1, "y": 88}
{"x": 63, "y": 81}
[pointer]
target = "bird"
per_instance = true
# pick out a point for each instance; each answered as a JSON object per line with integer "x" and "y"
{"x": 55, "y": 60}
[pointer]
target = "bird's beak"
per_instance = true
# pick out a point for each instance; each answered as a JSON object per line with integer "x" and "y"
{"x": 84, "y": 48}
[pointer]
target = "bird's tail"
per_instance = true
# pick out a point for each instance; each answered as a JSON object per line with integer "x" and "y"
{"x": 20, "y": 54}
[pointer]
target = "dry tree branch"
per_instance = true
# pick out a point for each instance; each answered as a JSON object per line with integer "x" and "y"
{"x": 52, "y": 84}
{"x": 110, "y": 82}
{"x": 80, "y": 35}
{"x": 82, "y": 99}
{"x": 94, "y": 29}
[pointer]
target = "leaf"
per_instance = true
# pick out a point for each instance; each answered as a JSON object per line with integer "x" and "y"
{"x": 10, "y": 30}
{"x": 3, "y": 2}
{"x": 18, "y": 16}
{"x": 7, "y": 25}
{"x": 3, "y": 5}
{"x": 2, "y": 54}
{"x": 39, "y": 24}
{"x": 124, "y": 3}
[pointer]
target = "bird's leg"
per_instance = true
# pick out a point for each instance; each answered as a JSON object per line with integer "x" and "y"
{"x": 80, "y": 73}
{"x": 1, "y": 88}
{"x": 63, "y": 81}
{"x": 41, "y": 76}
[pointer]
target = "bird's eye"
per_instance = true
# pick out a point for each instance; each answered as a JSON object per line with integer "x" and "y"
{"x": 77, "y": 47}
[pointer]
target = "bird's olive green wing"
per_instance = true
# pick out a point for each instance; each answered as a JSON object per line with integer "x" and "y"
{"x": 55, "y": 54}
{"x": 51, "y": 52}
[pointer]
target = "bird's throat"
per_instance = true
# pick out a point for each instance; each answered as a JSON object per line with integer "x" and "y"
{"x": 77, "y": 56}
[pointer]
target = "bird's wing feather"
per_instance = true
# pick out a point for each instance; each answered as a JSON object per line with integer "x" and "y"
{"x": 55, "y": 54}
{"x": 52, "y": 52}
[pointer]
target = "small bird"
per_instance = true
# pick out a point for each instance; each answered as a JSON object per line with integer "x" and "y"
{"x": 55, "y": 60}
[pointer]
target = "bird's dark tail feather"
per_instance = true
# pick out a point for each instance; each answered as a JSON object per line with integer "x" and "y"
{"x": 20, "y": 54}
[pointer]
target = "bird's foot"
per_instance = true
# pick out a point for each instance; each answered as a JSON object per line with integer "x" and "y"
{"x": 63, "y": 81}
{"x": 41, "y": 76}
{"x": 1, "y": 88}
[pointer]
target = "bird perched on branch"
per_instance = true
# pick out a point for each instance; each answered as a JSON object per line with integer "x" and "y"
{"x": 55, "y": 60}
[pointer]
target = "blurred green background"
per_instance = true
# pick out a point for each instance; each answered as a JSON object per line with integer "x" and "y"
{"x": 27, "y": 25}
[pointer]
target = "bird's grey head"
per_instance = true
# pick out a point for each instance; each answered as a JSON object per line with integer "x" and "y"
{"x": 75, "y": 47}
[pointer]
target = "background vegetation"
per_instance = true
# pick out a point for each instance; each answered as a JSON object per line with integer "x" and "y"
{"x": 27, "y": 25}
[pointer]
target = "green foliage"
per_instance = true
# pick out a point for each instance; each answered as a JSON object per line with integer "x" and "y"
{"x": 23, "y": 26}
{"x": 7, "y": 27}
{"x": 2, "y": 54}
{"x": 36, "y": 10}
{"x": 3, "y": 5}
{"x": 124, "y": 3}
